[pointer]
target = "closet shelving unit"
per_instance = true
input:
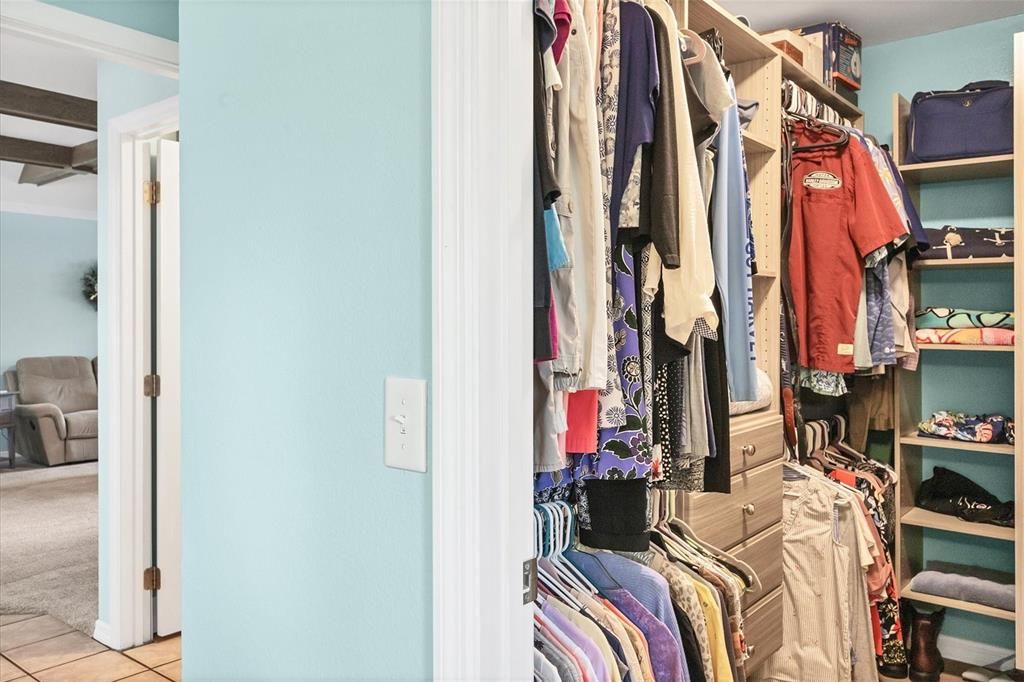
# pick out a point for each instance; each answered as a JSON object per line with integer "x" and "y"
{"x": 908, "y": 450}
{"x": 747, "y": 522}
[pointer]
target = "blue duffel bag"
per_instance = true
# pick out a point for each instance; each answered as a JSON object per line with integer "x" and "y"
{"x": 976, "y": 120}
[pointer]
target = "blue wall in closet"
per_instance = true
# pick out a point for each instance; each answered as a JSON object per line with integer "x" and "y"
{"x": 974, "y": 382}
{"x": 306, "y": 241}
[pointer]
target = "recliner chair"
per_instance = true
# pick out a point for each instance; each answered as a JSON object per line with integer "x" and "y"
{"x": 56, "y": 409}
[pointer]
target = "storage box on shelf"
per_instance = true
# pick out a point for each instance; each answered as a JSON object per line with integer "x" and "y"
{"x": 799, "y": 49}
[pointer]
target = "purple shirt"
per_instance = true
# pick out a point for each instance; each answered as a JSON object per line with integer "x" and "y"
{"x": 638, "y": 88}
{"x": 666, "y": 654}
{"x": 580, "y": 639}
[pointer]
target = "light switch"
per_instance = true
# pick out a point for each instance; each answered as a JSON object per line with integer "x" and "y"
{"x": 405, "y": 423}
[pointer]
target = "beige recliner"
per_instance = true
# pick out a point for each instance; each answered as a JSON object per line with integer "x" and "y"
{"x": 56, "y": 409}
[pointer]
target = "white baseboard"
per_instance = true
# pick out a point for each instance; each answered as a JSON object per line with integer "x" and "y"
{"x": 102, "y": 633}
{"x": 975, "y": 653}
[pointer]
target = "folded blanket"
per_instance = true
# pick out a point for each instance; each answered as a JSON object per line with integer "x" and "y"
{"x": 963, "y": 587}
{"x": 979, "y": 336}
{"x": 957, "y": 318}
{"x": 972, "y": 429}
{"x": 957, "y": 243}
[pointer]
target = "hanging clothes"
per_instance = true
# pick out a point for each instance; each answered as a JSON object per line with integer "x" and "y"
{"x": 583, "y": 364}
{"x": 826, "y": 614}
{"x": 671, "y": 614}
{"x": 840, "y": 215}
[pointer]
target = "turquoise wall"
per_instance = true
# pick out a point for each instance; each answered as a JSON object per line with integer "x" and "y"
{"x": 42, "y": 310}
{"x": 120, "y": 89}
{"x": 159, "y": 17}
{"x": 972, "y": 382}
{"x": 306, "y": 241}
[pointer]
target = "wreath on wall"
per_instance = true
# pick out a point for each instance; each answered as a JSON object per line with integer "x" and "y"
{"x": 89, "y": 286}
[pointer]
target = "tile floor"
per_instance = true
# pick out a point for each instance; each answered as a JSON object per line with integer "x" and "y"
{"x": 44, "y": 649}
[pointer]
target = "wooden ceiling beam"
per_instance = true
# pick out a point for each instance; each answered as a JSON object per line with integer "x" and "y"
{"x": 35, "y": 153}
{"x": 25, "y": 101}
{"x": 41, "y": 175}
{"x": 46, "y": 163}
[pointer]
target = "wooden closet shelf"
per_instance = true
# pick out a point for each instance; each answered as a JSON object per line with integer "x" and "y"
{"x": 958, "y": 604}
{"x": 964, "y": 262}
{"x": 923, "y": 518}
{"x": 741, "y": 43}
{"x": 980, "y": 347}
{"x": 752, "y": 144}
{"x": 926, "y": 442}
{"x": 958, "y": 169}
{"x": 802, "y": 77}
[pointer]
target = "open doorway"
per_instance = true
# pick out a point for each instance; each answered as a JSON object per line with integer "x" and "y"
{"x": 125, "y": 590}
{"x": 48, "y": 332}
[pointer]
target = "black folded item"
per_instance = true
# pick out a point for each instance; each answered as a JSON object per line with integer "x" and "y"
{"x": 957, "y": 243}
{"x": 948, "y": 492}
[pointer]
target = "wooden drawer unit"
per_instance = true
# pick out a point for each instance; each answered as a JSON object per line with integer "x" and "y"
{"x": 763, "y": 553}
{"x": 724, "y": 520}
{"x": 754, "y": 446}
{"x": 763, "y": 630}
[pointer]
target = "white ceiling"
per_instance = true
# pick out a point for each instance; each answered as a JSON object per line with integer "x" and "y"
{"x": 876, "y": 21}
{"x": 59, "y": 69}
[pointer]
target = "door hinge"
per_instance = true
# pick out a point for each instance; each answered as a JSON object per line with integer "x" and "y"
{"x": 151, "y": 385}
{"x": 529, "y": 581}
{"x": 151, "y": 192}
{"x": 151, "y": 579}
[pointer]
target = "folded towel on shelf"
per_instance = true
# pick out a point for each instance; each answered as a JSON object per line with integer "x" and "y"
{"x": 961, "y": 243}
{"x": 966, "y": 583}
{"x": 984, "y": 428}
{"x": 978, "y": 336}
{"x": 959, "y": 318}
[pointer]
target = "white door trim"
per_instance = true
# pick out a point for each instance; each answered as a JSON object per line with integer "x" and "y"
{"x": 482, "y": 339}
{"x": 102, "y": 39}
{"x": 125, "y": 429}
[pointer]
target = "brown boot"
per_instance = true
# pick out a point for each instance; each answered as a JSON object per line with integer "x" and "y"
{"x": 925, "y": 658}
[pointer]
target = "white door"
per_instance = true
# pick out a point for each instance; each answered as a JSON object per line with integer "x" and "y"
{"x": 168, "y": 418}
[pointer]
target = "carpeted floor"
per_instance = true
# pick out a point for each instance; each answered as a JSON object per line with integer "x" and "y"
{"x": 48, "y": 543}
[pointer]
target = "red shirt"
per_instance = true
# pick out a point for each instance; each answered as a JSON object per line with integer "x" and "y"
{"x": 841, "y": 213}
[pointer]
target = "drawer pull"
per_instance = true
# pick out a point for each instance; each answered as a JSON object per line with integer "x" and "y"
{"x": 748, "y": 509}
{"x": 749, "y": 450}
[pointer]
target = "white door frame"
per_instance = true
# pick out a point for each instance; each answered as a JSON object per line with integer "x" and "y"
{"x": 482, "y": 339}
{"x": 127, "y": 490}
{"x": 125, "y": 486}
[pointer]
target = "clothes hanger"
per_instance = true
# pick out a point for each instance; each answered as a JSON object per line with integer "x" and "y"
{"x": 818, "y": 125}
{"x": 547, "y": 577}
{"x": 694, "y": 44}
{"x": 570, "y": 573}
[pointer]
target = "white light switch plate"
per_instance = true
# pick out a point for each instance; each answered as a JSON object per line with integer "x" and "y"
{"x": 405, "y": 423}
